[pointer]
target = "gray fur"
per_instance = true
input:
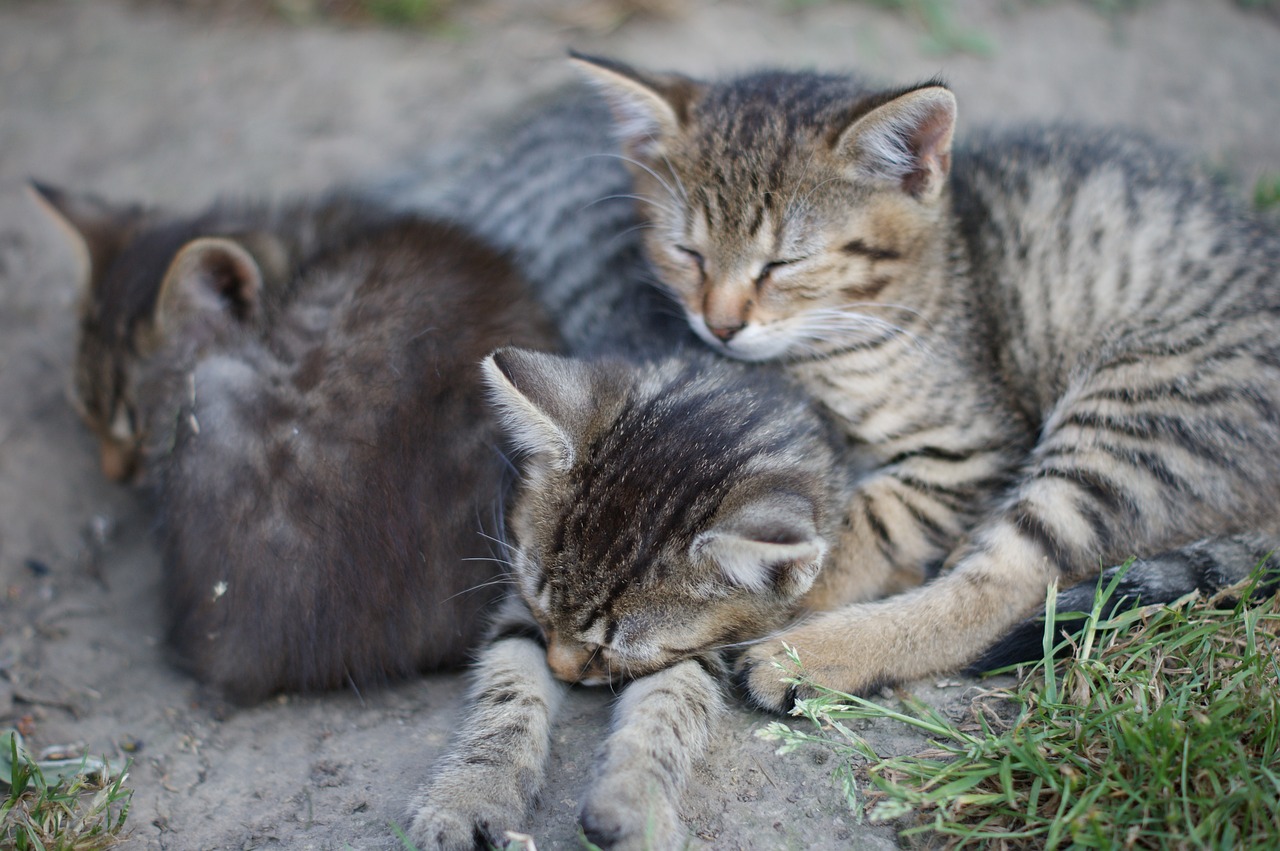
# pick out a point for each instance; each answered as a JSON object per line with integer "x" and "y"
{"x": 1058, "y": 345}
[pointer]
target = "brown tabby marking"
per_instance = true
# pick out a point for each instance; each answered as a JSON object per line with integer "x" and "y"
{"x": 666, "y": 510}
{"x": 1058, "y": 348}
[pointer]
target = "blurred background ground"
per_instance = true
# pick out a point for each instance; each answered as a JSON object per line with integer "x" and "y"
{"x": 178, "y": 102}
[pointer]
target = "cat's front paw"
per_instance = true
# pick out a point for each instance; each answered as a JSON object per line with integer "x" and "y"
{"x": 622, "y": 820}
{"x": 763, "y": 675}
{"x": 446, "y": 832}
{"x": 833, "y": 651}
{"x": 473, "y": 825}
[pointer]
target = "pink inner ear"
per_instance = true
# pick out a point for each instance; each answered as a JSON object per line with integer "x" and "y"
{"x": 930, "y": 142}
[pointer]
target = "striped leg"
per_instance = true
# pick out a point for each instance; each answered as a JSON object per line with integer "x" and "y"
{"x": 486, "y": 784}
{"x": 930, "y": 630}
{"x": 661, "y": 725}
{"x": 1110, "y": 479}
{"x": 902, "y": 522}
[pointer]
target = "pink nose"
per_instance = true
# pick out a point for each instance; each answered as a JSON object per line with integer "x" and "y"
{"x": 724, "y": 334}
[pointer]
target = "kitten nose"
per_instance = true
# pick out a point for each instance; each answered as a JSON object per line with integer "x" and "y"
{"x": 725, "y": 334}
{"x": 567, "y": 663}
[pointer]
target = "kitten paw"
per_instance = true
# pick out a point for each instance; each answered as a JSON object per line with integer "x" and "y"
{"x": 439, "y": 828}
{"x": 631, "y": 825}
{"x": 832, "y": 654}
{"x": 763, "y": 674}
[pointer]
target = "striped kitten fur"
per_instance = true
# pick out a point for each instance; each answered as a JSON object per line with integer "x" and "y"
{"x": 1059, "y": 347}
{"x": 318, "y": 449}
{"x": 947, "y": 436}
{"x": 643, "y": 445}
{"x": 667, "y": 510}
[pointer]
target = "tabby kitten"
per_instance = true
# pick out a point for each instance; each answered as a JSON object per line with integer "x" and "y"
{"x": 610, "y": 583}
{"x": 644, "y": 446}
{"x": 295, "y": 387}
{"x": 1058, "y": 347}
{"x": 667, "y": 510}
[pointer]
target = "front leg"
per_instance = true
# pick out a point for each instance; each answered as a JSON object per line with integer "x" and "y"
{"x": 941, "y": 627}
{"x": 904, "y": 519}
{"x": 662, "y": 724}
{"x": 488, "y": 782}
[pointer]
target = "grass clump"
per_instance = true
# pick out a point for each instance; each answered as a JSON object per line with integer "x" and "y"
{"x": 938, "y": 18}
{"x": 58, "y": 805}
{"x": 1160, "y": 731}
{"x": 1266, "y": 192}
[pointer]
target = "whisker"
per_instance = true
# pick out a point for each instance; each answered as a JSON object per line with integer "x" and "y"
{"x": 839, "y": 324}
{"x": 665, "y": 185}
{"x": 502, "y": 580}
{"x": 636, "y": 227}
{"x": 494, "y": 559}
{"x": 670, "y": 168}
{"x": 805, "y": 200}
{"x": 666, "y": 208}
{"x": 777, "y": 633}
{"x": 790, "y": 205}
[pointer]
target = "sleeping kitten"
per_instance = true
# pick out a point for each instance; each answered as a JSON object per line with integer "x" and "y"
{"x": 672, "y": 502}
{"x": 666, "y": 511}
{"x": 298, "y": 387}
{"x": 1059, "y": 347}
{"x": 557, "y": 196}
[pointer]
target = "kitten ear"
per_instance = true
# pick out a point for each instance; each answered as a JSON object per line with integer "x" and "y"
{"x": 770, "y": 542}
{"x": 95, "y": 228}
{"x": 215, "y": 281}
{"x": 906, "y": 141}
{"x": 648, "y": 109}
{"x": 542, "y": 400}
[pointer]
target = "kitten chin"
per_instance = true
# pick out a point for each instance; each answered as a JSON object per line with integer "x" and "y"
{"x": 298, "y": 386}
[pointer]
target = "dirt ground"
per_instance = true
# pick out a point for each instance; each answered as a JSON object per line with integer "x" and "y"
{"x": 143, "y": 102}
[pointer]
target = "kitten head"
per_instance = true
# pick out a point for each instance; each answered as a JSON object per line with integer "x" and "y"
{"x": 791, "y": 212}
{"x": 665, "y": 510}
{"x": 154, "y": 291}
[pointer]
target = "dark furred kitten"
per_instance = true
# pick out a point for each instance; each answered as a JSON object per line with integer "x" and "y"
{"x": 298, "y": 386}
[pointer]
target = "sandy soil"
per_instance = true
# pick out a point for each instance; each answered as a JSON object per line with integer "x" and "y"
{"x": 141, "y": 102}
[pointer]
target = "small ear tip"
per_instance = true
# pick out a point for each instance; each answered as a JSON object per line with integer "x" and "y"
{"x": 515, "y": 364}
{"x": 943, "y": 97}
{"x": 45, "y": 193}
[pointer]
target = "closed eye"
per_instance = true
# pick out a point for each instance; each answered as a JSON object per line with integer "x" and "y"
{"x": 694, "y": 256}
{"x": 773, "y": 265}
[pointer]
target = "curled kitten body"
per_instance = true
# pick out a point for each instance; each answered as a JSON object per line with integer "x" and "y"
{"x": 297, "y": 387}
{"x": 1021, "y": 345}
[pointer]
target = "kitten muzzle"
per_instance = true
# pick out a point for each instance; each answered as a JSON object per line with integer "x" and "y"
{"x": 578, "y": 663}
